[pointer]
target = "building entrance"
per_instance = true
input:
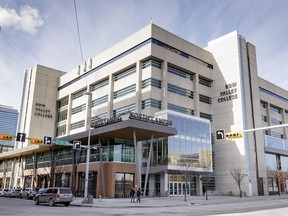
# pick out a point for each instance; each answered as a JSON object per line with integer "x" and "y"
{"x": 179, "y": 188}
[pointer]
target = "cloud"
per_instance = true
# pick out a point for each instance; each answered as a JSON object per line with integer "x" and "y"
{"x": 28, "y": 19}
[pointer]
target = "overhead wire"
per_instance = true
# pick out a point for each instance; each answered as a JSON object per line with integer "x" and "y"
{"x": 75, "y": 7}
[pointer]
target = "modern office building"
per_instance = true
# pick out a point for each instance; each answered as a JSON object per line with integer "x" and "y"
{"x": 8, "y": 125}
{"x": 159, "y": 108}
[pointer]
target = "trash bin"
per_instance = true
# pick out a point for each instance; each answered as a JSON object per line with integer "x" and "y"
{"x": 90, "y": 198}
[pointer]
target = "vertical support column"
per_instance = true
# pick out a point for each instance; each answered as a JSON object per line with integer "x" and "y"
{"x": 68, "y": 124}
{"x": 138, "y": 86}
{"x": 164, "y": 85}
{"x": 101, "y": 168}
{"x": 196, "y": 95}
{"x": 136, "y": 159}
{"x": 148, "y": 163}
{"x": 110, "y": 96}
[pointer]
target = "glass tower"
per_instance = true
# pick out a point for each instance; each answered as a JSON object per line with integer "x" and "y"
{"x": 8, "y": 125}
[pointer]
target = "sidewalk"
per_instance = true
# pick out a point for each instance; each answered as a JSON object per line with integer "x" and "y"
{"x": 154, "y": 202}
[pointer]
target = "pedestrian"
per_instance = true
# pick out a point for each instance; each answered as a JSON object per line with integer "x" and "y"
{"x": 132, "y": 195}
{"x": 138, "y": 193}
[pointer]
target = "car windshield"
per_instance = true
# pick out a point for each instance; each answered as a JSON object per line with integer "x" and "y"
{"x": 65, "y": 191}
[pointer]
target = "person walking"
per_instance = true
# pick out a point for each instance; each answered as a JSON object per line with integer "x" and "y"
{"x": 138, "y": 193}
{"x": 132, "y": 195}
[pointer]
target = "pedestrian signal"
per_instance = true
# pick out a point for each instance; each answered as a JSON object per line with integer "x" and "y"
{"x": 234, "y": 135}
{"x": 7, "y": 137}
{"x": 36, "y": 141}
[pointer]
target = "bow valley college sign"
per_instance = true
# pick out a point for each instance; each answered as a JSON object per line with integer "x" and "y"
{"x": 136, "y": 116}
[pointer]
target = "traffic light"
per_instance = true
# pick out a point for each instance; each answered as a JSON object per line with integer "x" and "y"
{"x": 234, "y": 135}
{"x": 36, "y": 141}
{"x": 7, "y": 137}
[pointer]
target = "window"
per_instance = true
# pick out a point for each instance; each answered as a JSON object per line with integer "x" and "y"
{"x": 100, "y": 100}
{"x": 151, "y": 63}
{"x": 126, "y": 109}
{"x": 98, "y": 117}
{"x": 62, "y": 115}
{"x": 125, "y": 73}
{"x": 78, "y": 94}
{"x": 275, "y": 109}
{"x": 180, "y": 109}
{"x": 206, "y": 116}
{"x": 61, "y": 130}
{"x": 63, "y": 103}
{"x": 275, "y": 121}
{"x": 151, "y": 103}
{"x": 181, "y": 53}
{"x": 205, "y": 99}
{"x": 277, "y": 135}
{"x": 78, "y": 109}
{"x": 99, "y": 85}
{"x": 263, "y": 104}
{"x": 264, "y": 118}
{"x": 205, "y": 81}
{"x": 124, "y": 91}
{"x": 78, "y": 124}
{"x": 180, "y": 73}
{"x": 151, "y": 82}
{"x": 180, "y": 91}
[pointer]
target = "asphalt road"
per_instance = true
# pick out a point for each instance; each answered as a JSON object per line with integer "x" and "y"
{"x": 21, "y": 207}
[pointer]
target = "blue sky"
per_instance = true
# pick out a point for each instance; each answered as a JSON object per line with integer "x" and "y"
{"x": 44, "y": 32}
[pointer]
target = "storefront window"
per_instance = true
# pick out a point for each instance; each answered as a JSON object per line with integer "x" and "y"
{"x": 123, "y": 184}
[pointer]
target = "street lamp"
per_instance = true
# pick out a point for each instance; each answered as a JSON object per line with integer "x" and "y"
{"x": 86, "y": 200}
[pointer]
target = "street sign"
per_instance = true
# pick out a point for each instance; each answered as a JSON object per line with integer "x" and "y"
{"x": 220, "y": 134}
{"x": 21, "y": 137}
{"x": 62, "y": 142}
{"x": 47, "y": 140}
{"x": 76, "y": 144}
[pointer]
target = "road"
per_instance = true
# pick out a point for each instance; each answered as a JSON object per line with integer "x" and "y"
{"x": 22, "y": 207}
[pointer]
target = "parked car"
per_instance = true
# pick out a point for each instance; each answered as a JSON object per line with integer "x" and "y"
{"x": 54, "y": 195}
{"x": 12, "y": 193}
{"x": 3, "y": 192}
{"x": 29, "y": 193}
{"x": 41, "y": 190}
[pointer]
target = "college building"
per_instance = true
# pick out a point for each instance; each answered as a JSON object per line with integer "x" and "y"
{"x": 153, "y": 111}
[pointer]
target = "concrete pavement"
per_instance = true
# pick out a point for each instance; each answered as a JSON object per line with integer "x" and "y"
{"x": 154, "y": 202}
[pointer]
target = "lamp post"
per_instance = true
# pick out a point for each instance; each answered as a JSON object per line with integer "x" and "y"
{"x": 86, "y": 200}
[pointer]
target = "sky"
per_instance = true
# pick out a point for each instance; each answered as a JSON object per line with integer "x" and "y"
{"x": 45, "y": 32}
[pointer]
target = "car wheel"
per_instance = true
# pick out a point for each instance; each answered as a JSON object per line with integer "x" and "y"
{"x": 51, "y": 202}
{"x": 67, "y": 204}
{"x": 36, "y": 201}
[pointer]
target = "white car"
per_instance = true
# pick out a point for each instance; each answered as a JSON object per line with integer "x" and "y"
{"x": 12, "y": 193}
{"x": 3, "y": 192}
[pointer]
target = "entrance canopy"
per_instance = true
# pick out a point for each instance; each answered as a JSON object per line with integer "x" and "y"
{"x": 124, "y": 130}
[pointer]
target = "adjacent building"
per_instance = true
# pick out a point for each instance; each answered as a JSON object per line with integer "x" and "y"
{"x": 155, "y": 110}
{"x": 8, "y": 126}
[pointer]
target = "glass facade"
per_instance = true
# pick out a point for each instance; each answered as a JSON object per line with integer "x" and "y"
{"x": 192, "y": 143}
{"x": 8, "y": 123}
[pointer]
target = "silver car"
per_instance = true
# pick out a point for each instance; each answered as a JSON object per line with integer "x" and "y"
{"x": 12, "y": 193}
{"x": 29, "y": 193}
{"x": 55, "y": 195}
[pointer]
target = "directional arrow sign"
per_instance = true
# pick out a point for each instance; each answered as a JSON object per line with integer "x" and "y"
{"x": 21, "y": 137}
{"x": 62, "y": 142}
{"x": 47, "y": 140}
{"x": 220, "y": 134}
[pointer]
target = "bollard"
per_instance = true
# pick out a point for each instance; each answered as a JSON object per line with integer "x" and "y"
{"x": 100, "y": 198}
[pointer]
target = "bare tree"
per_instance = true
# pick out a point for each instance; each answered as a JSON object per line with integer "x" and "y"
{"x": 187, "y": 170}
{"x": 238, "y": 175}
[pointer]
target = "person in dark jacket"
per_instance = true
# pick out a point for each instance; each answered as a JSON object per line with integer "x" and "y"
{"x": 132, "y": 195}
{"x": 138, "y": 193}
